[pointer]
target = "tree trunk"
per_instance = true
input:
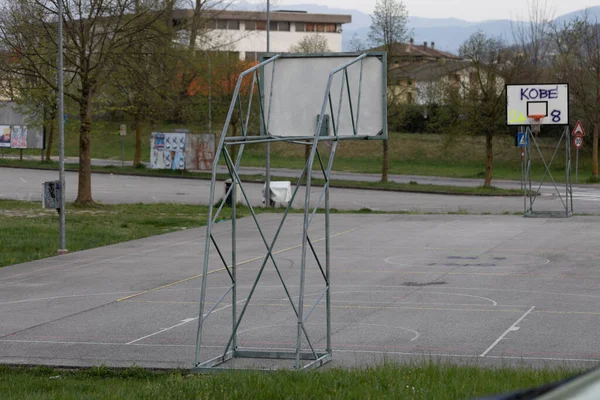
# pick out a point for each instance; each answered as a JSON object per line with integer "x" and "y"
{"x": 489, "y": 159}
{"x": 385, "y": 167}
{"x": 50, "y": 140}
{"x": 84, "y": 189}
{"x": 195, "y": 24}
{"x": 595, "y": 152}
{"x": 138, "y": 140}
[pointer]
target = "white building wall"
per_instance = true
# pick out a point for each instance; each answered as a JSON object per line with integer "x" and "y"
{"x": 256, "y": 41}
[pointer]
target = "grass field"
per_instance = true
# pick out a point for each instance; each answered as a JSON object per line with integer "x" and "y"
{"x": 30, "y": 233}
{"x": 414, "y": 154}
{"x": 424, "y": 381}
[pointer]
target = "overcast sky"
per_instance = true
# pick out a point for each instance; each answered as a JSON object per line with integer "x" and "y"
{"x": 471, "y": 10}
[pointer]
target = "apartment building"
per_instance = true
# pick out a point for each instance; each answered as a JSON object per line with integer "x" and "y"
{"x": 245, "y": 32}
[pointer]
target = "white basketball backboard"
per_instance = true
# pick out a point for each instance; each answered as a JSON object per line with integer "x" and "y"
{"x": 549, "y": 100}
{"x": 294, "y": 87}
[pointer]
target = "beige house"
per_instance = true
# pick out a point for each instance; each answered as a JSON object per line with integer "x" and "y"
{"x": 417, "y": 74}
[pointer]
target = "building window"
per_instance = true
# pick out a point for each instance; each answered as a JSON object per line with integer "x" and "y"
{"x": 256, "y": 25}
{"x": 250, "y": 25}
{"x": 222, "y": 24}
{"x": 314, "y": 27}
{"x": 330, "y": 28}
{"x": 280, "y": 26}
{"x": 233, "y": 24}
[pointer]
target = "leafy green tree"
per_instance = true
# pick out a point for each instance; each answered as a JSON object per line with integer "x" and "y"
{"x": 97, "y": 38}
{"x": 476, "y": 99}
{"x": 389, "y": 26}
{"x": 578, "y": 63}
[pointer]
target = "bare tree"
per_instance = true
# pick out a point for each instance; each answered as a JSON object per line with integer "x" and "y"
{"x": 389, "y": 26}
{"x": 96, "y": 39}
{"x": 357, "y": 44}
{"x": 532, "y": 36}
{"x": 314, "y": 43}
{"x": 578, "y": 62}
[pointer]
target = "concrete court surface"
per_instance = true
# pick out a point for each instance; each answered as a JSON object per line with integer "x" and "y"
{"x": 500, "y": 290}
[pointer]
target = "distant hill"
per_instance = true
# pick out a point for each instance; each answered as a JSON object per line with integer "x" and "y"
{"x": 448, "y": 33}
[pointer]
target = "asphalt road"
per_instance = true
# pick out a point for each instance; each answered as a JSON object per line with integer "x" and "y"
{"x": 25, "y": 184}
{"x": 484, "y": 290}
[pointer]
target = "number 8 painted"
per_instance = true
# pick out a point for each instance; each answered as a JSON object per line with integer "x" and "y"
{"x": 555, "y": 115}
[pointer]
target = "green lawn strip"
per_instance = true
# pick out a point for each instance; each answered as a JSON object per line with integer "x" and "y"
{"x": 417, "y": 381}
{"x": 30, "y": 233}
{"x": 390, "y": 186}
{"x": 414, "y": 154}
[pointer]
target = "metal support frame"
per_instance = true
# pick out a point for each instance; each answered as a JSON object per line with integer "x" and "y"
{"x": 530, "y": 194}
{"x": 304, "y": 358}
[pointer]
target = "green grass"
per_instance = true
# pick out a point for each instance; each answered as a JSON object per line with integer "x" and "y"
{"x": 423, "y": 381}
{"x": 30, "y": 233}
{"x": 415, "y": 154}
{"x": 390, "y": 186}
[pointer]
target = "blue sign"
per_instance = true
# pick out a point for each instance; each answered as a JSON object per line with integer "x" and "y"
{"x": 522, "y": 139}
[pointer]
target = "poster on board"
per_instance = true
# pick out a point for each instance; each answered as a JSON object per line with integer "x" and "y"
{"x": 5, "y": 136}
{"x": 167, "y": 150}
{"x": 200, "y": 152}
{"x": 18, "y": 137}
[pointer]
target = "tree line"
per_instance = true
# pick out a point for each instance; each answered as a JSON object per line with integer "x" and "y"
{"x": 150, "y": 59}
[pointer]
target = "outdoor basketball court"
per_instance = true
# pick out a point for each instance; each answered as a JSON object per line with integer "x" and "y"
{"x": 504, "y": 290}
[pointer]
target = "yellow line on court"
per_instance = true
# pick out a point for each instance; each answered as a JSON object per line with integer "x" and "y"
{"x": 399, "y": 271}
{"x": 405, "y": 308}
{"x": 495, "y": 309}
{"x": 229, "y": 266}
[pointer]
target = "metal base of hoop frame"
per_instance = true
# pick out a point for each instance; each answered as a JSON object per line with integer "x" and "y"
{"x": 303, "y": 358}
{"x": 530, "y": 194}
{"x": 213, "y": 365}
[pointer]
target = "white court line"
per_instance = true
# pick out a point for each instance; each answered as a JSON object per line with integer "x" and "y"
{"x": 100, "y": 261}
{"x": 336, "y": 350}
{"x": 23, "y": 180}
{"x": 183, "y": 322}
{"x": 513, "y": 327}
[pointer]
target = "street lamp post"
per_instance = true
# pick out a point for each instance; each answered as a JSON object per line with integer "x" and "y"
{"x": 61, "y": 134}
{"x": 268, "y": 155}
{"x": 209, "y": 92}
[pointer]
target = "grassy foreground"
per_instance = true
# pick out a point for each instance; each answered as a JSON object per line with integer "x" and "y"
{"x": 425, "y": 381}
{"x": 30, "y": 233}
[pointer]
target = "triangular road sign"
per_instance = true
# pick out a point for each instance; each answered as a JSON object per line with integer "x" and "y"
{"x": 522, "y": 142}
{"x": 578, "y": 131}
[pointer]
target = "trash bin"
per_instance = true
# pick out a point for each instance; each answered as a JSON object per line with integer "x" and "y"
{"x": 228, "y": 198}
{"x": 51, "y": 194}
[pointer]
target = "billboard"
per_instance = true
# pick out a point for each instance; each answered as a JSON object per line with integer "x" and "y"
{"x": 181, "y": 151}
{"x": 16, "y": 131}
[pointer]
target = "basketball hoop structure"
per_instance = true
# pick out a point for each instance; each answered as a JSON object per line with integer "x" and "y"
{"x": 548, "y": 105}
{"x": 299, "y": 99}
{"x": 535, "y": 121}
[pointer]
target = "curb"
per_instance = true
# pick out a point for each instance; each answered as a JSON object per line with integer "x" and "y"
{"x": 357, "y": 187}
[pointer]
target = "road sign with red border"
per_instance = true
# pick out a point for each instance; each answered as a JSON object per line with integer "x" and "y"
{"x": 578, "y": 131}
{"x": 578, "y": 142}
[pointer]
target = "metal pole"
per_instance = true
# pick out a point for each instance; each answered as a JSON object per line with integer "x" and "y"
{"x": 577, "y": 165}
{"x": 61, "y": 134}
{"x": 209, "y": 93}
{"x": 122, "y": 151}
{"x": 233, "y": 259}
{"x": 268, "y": 155}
